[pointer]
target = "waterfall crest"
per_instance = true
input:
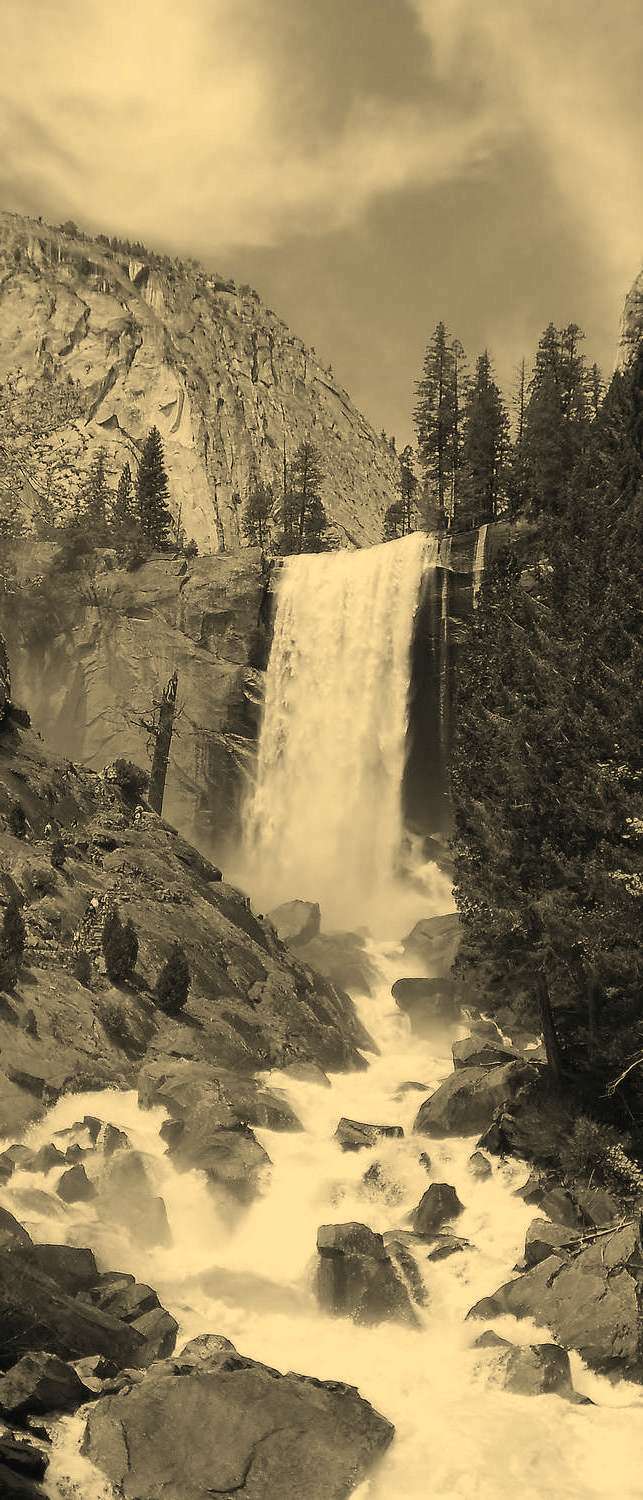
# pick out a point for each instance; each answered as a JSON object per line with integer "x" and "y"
{"x": 324, "y": 818}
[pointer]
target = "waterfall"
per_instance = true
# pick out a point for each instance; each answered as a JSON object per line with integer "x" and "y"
{"x": 324, "y": 819}
{"x": 478, "y": 561}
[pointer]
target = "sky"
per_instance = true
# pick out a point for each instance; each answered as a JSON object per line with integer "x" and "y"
{"x": 369, "y": 166}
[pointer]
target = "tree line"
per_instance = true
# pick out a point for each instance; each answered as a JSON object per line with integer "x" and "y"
{"x": 547, "y": 774}
{"x": 292, "y": 518}
{"x": 134, "y": 517}
{"x": 479, "y": 457}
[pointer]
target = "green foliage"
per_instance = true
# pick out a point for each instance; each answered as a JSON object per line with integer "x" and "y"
{"x": 547, "y": 778}
{"x": 257, "y": 515}
{"x": 58, "y": 854}
{"x": 82, "y": 968}
{"x": 173, "y": 983}
{"x": 120, "y": 948}
{"x": 132, "y": 781}
{"x": 304, "y": 517}
{"x": 13, "y": 940}
{"x": 484, "y": 449}
{"x": 152, "y": 493}
{"x": 583, "y": 1151}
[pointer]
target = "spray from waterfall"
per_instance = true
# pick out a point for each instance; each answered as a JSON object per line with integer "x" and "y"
{"x": 324, "y": 819}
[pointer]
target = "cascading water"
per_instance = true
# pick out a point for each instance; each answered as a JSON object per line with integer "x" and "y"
{"x": 478, "y": 561}
{"x": 324, "y": 819}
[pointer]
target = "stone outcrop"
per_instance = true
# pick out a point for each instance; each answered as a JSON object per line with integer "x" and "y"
{"x": 438, "y": 1205}
{"x": 253, "y": 1005}
{"x": 224, "y": 1424}
{"x": 154, "y": 342}
{"x": 469, "y": 1098}
{"x": 355, "y": 1135}
{"x": 590, "y": 1299}
{"x": 296, "y": 922}
{"x": 430, "y": 1004}
{"x": 358, "y": 1276}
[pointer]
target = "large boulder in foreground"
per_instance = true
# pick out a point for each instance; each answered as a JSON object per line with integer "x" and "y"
{"x": 591, "y": 1301}
{"x": 296, "y": 922}
{"x": 468, "y": 1100}
{"x": 36, "y": 1313}
{"x": 41, "y": 1383}
{"x": 222, "y": 1424}
{"x": 357, "y": 1276}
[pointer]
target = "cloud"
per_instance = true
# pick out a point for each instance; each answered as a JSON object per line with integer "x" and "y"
{"x": 567, "y": 73}
{"x": 189, "y": 123}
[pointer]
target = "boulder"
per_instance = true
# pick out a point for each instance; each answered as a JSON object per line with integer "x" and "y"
{"x": 589, "y": 1301}
{"x": 46, "y": 1158}
{"x": 232, "y": 1159}
{"x": 475, "y": 1052}
{"x": 11, "y": 1232}
{"x": 467, "y": 1101}
{"x": 182, "y": 1085}
{"x": 75, "y": 1186}
{"x": 36, "y": 1313}
{"x": 376, "y": 1184}
{"x": 479, "y": 1166}
{"x": 446, "y": 1245}
{"x": 491, "y": 1340}
{"x": 224, "y": 1424}
{"x": 544, "y": 1239}
{"x": 22, "y": 1464}
{"x": 123, "y": 1296}
{"x": 430, "y": 1004}
{"x": 15, "y": 1158}
{"x": 434, "y": 942}
{"x": 357, "y": 1276}
{"x": 296, "y": 922}
{"x": 532, "y": 1369}
{"x": 127, "y": 1194}
{"x": 111, "y": 1139}
{"x": 343, "y": 958}
{"x": 355, "y": 1135}
{"x": 159, "y": 1329}
{"x": 73, "y": 1269}
{"x": 437, "y": 1206}
{"x": 40, "y": 1383}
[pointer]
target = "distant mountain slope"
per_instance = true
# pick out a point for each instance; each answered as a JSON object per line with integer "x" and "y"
{"x": 152, "y": 340}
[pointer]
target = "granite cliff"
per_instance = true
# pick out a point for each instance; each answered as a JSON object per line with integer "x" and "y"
{"x": 154, "y": 341}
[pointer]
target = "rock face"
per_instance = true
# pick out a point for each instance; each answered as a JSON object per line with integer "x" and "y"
{"x": 590, "y": 1300}
{"x": 159, "y": 342}
{"x": 225, "y": 1425}
{"x": 296, "y": 922}
{"x": 429, "y": 1004}
{"x": 357, "y": 1276}
{"x": 89, "y": 657}
{"x": 468, "y": 1099}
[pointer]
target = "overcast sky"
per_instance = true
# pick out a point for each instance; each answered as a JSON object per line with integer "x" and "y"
{"x": 370, "y": 166}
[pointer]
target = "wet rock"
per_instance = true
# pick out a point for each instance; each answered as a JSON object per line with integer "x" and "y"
{"x": 183, "y": 1086}
{"x": 378, "y": 1185}
{"x": 22, "y": 1464}
{"x": 479, "y": 1166}
{"x": 95, "y": 1367}
{"x": 437, "y": 1206}
{"x": 36, "y": 1313}
{"x": 229, "y": 1425}
{"x": 491, "y": 1340}
{"x": 13, "y": 1159}
{"x": 430, "y": 1004}
{"x": 41, "y": 1383}
{"x": 232, "y": 1159}
{"x": 46, "y": 1158}
{"x": 343, "y": 958}
{"x": 357, "y": 1276}
{"x": 475, "y": 1052}
{"x": 555, "y": 1200}
{"x": 112, "y": 1139}
{"x": 355, "y": 1135}
{"x": 544, "y": 1239}
{"x": 446, "y": 1245}
{"x": 467, "y": 1101}
{"x": 296, "y": 922}
{"x": 307, "y": 1072}
{"x": 400, "y": 1253}
{"x": 590, "y": 1301}
{"x": 159, "y": 1329}
{"x": 425, "y": 1161}
{"x": 71, "y": 1268}
{"x": 11, "y": 1232}
{"x": 75, "y": 1186}
{"x": 434, "y": 941}
{"x": 127, "y": 1194}
{"x": 533, "y": 1369}
{"x": 123, "y": 1296}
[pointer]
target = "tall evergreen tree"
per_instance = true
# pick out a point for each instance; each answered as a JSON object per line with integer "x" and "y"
{"x": 516, "y": 476}
{"x": 435, "y": 419}
{"x": 556, "y": 418}
{"x": 408, "y": 489}
{"x": 152, "y": 492}
{"x": 95, "y": 496}
{"x": 304, "y": 520}
{"x": 484, "y": 448}
{"x": 257, "y": 514}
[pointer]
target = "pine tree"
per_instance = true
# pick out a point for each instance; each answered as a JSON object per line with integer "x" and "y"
{"x": 124, "y": 514}
{"x": 556, "y": 418}
{"x": 173, "y": 983}
{"x": 257, "y": 514}
{"x": 408, "y": 489}
{"x": 95, "y": 497}
{"x": 484, "y": 447}
{"x": 437, "y": 417}
{"x": 13, "y": 940}
{"x": 516, "y": 477}
{"x": 120, "y": 948}
{"x": 394, "y": 521}
{"x": 304, "y": 519}
{"x": 152, "y": 492}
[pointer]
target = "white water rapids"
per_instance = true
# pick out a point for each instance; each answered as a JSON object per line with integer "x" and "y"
{"x": 325, "y": 823}
{"x": 457, "y": 1435}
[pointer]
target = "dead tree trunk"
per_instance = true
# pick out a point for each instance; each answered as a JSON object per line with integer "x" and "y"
{"x": 552, "y": 1045}
{"x": 162, "y": 743}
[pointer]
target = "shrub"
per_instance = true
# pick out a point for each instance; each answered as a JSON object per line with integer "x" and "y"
{"x": 12, "y": 944}
{"x": 132, "y": 781}
{"x": 585, "y": 1148}
{"x": 58, "y": 854}
{"x": 173, "y": 983}
{"x": 82, "y": 968}
{"x": 191, "y": 549}
{"x": 120, "y": 948}
{"x": 17, "y": 820}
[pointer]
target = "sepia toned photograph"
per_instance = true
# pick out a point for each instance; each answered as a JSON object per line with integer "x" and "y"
{"x": 321, "y": 788}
